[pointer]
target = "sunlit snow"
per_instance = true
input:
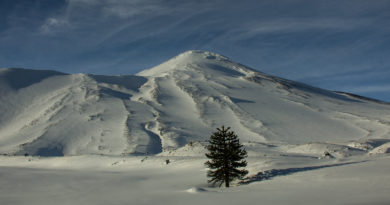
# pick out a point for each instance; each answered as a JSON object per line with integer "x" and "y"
{"x": 92, "y": 139}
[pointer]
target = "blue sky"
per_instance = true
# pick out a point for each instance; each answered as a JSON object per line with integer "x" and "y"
{"x": 337, "y": 45}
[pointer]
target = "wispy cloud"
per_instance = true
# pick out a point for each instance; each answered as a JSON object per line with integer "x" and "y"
{"x": 291, "y": 25}
{"x": 54, "y": 25}
{"x": 126, "y": 9}
{"x": 369, "y": 89}
{"x": 116, "y": 8}
{"x": 333, "y": 44}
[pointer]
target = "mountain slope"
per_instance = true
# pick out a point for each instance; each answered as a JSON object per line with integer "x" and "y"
{"x": 179, "y": 101}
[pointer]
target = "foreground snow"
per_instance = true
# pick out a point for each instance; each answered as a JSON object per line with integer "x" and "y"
{"x": 139, "y": 180}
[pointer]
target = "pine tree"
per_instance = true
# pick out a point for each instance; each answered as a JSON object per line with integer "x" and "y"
{"x": 226, "y": 155}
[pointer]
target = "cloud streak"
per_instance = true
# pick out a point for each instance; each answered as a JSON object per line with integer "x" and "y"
{"x": 370, "y": 89}
{"x": 52, "y": 25}
{"x": 319, "y": 42}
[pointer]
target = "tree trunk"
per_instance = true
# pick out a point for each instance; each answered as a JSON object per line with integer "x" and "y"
{"x": 227, "y": 177}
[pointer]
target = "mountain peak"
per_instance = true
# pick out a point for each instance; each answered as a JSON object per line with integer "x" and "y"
{"x": 200, "y": 54}
{"x": 180, "y": 101}
{"x": 204, "y": 61}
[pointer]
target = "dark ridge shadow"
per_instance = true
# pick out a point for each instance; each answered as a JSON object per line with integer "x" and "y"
{"x": 270, "y": 174}
{"x": 114, "y": 93}
{"x": 130, "y": 82}
{"x": 224, "y": 70}
{"x": 238, "y": 100}
{"x": 18, "y": 78}
{"x": 289, "y": 85}
{"x": 376, "y": 142}
{"x": 359, "y": 97}
{"x": 262, "y": 144}
{"x": 50, "y": 152}
{"x": 308, "y": 88}
{"x": 154, "y": 146}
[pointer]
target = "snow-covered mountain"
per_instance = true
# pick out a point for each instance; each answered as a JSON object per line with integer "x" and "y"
{"x": 180, "y": 101}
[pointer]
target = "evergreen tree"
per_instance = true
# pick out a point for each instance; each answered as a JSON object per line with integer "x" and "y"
{"x": 226, "y": 155}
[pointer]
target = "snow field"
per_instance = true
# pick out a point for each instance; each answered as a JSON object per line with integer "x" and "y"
{"x": 114, "y": 180}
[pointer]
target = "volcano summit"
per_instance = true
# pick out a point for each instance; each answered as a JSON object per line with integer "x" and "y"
{"x": 182, "y": 100}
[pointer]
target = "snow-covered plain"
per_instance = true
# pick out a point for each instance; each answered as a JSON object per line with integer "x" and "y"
{"x": 105, "y": 139}
{"x": 113, "y": 180}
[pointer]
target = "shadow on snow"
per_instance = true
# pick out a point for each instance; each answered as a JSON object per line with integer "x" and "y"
{"x": 269, "y": 174}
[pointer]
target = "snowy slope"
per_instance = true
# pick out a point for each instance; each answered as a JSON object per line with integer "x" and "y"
{"x": 180, "y": 101}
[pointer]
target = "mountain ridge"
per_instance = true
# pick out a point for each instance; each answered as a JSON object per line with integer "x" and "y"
{"x": 168, "y": 106}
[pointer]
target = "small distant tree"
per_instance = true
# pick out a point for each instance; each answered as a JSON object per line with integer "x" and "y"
{"x": 225, "y": 156}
